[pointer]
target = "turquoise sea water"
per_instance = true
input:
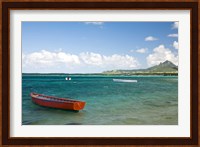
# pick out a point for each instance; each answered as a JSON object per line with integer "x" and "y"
{"x": 153, "y": 100}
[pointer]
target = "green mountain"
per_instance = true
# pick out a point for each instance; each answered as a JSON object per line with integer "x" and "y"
{"x": 165, "y": 68}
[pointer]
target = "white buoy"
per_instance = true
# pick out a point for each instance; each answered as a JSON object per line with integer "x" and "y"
{"x": 68, "y": 78}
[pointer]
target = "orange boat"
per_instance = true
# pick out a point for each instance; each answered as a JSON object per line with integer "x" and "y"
{"x": 55, "y": 102}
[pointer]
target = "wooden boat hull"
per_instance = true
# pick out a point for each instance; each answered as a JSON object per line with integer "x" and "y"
{"x": 55, "y": 102}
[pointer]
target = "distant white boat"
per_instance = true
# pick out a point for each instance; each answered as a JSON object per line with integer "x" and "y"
{"x": 68, "y": 78}
{"x": 125, "y": 80}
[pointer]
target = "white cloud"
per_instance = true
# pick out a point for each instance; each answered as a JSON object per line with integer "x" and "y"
{"x": 45, "y": 58}
{"x": 51, "y": 60}
{"x": 95, "y": 23}
{"x": 23, "y": 56}
{"x": 175, "y": 45}
{"x": 173, "y": 35}
{"x": 91, "y": 58}
{"x": 161, "y": 54}
{"x": 142, "y": 50}
{"x": 150, "y": 38}
{"x": 175, "y": 25}
{"x": 114, "y": 61}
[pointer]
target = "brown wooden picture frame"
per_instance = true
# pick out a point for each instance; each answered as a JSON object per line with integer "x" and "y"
{"x": 7, "y": 140}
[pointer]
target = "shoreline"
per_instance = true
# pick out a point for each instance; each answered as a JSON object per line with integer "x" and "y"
{"x": 109, "y": 75}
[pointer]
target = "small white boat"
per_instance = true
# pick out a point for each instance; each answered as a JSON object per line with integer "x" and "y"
{"x": 68, "y": 78}
{"x": 125, "y": 80}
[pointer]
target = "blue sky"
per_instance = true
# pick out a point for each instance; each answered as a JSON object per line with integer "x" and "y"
{"x": 91, "y": 47}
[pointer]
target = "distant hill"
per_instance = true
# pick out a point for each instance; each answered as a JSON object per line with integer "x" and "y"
{"x": 165, "y": 68}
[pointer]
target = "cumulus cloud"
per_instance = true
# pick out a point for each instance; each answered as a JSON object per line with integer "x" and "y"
{"x": 175, "y": 45}
{"x": 173, "y": 35}
{"x": 114, "y": 61}
{"x": 142, "y": 50}
{"x": 91, "y": 58}
{"x": 45, "y": 58}
{"x": 150, "y": 38}
{"x": 175, "y": 25}
{"x": 49, "y": 59}
{"x": 23, "y": 56}
{"x": 161, "y": 54}
{"x": 95, "y": 23}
